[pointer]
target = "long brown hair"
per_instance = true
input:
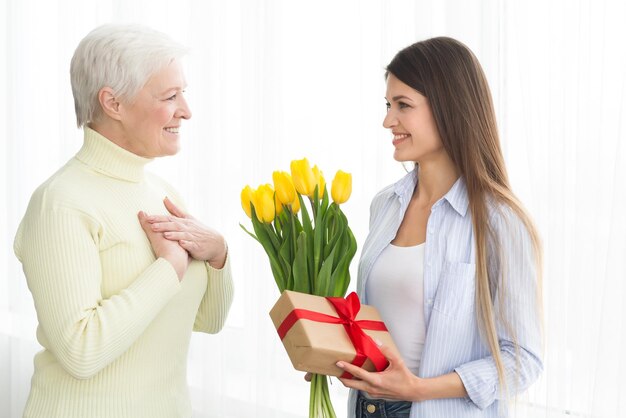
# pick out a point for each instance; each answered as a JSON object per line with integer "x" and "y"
{"x": 448, "y": 74}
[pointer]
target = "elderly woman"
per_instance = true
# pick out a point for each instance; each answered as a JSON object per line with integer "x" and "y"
{"x": 119, "y": 274}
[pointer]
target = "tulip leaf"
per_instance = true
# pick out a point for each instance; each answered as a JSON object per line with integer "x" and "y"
{"x": 323, "y": 286}
{"x": 306, "y": 219}
{"x": 308, "y": 229}
{"x": 318, "y": 241}
{"x": 332, "y": 238}
{"x": 249, "y": 233}
{"x": 286, "y": 253}
{"x": 278, "y": 225}
{"x": 324, "y": 206}
{"x": 278, "y": 277}
{"x": 300, "y": 266}
{"x": 265, "y": 238}
{"x": 261, "y": 232}
{"x": 343, "y": 242}
{"x": 285, "y": 261}
{"x": 298, "y": 224}
{"x": 315, "y": 202}
{"x": 271, "y": 233}
{"x": 341, "y": 275}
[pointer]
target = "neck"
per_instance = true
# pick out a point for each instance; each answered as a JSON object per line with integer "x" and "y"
{"x": 435, "y": 180}
{"x": 112, "y": 130}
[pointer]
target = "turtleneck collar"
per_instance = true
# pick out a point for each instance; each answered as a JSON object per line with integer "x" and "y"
{"x": 110, "y": 159}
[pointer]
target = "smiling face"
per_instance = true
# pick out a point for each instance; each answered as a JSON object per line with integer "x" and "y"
{"x": 415, "y": 134}
{"x": 151, "y": 123}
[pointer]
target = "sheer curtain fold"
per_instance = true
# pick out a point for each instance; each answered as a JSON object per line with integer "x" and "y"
{"x": 272, "y": 81}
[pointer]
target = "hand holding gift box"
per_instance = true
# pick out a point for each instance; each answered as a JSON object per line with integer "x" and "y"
{"x": 317, "y": 332}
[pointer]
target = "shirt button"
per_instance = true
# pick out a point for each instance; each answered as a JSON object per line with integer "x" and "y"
{"x": 430, "y": 301}
{"x": 371, "y": 408}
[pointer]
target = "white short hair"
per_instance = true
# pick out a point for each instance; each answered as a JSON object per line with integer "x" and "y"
{"x": 122, "y": 57}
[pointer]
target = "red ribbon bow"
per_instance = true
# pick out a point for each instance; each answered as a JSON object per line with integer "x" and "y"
{"x": 347, "y": 309}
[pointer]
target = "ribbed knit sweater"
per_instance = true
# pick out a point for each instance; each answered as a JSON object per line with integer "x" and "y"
{"x": 114, "y": 321}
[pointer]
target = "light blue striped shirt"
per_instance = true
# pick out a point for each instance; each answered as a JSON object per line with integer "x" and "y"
{"x": 453, "y": 341}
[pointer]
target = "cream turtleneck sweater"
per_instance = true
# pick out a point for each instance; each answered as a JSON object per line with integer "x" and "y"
{"x": 114, "y": 322}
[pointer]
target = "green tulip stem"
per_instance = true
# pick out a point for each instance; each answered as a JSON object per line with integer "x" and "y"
{"x": 320, "y": 405}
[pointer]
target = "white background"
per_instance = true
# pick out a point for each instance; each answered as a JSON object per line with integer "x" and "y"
{"x": 272, "y": 81}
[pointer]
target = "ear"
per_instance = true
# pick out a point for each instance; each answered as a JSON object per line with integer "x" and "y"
{"x": 109, "y": 103}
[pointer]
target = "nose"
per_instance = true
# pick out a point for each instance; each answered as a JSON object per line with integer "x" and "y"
{"x": 183, "y": 110}
{"x": 390, "y": 120}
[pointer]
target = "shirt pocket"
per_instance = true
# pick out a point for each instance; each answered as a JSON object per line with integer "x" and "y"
{"x": 456, "y": 289}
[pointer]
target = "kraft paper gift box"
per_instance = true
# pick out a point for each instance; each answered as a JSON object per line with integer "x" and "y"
{"x": 315, "y": 345}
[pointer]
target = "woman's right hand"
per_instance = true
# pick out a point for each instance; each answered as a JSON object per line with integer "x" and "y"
{"x": 164, "y": 248}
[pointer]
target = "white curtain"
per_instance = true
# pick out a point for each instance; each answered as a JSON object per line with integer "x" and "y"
{"x": 271, "y": 81}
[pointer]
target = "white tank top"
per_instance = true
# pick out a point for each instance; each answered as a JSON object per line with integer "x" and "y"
{"x": 396, "y": 288}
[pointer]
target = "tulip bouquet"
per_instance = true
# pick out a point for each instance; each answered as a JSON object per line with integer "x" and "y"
{"x": 309, "y": 251}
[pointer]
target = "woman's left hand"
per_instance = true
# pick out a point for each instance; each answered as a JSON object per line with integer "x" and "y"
{"x": 395, "y": 382}
{"x": 200, "y": 241}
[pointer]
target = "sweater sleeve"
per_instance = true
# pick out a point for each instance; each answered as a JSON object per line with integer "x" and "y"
{"x": 517, "y": 313}
{"x": 60, "y": 257}
{"x": 217, "y": 299}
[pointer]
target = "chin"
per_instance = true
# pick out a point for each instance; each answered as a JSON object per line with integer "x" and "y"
{"x": 171, "y": 152}
{"x": 401, "y": 158}
{"x": 170, "y": 148}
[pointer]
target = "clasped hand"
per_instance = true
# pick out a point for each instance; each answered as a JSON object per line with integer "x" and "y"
{"x": 199, "y": 241}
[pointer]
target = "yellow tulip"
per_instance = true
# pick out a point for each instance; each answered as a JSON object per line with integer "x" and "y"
{"x": 319, "y": 180}
{"x": 278, "y": 205}
{"x": 295, "y": 205}
{"x": 303, "y": 177}
{"x": 285, "y": 190}
{"x": 342, "y": 187}
{"x": 263, "y": 201}
{"x": 246, "y": 200}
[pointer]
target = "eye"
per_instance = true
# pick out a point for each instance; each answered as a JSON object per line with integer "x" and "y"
{"x": 174, "y": 96}
{"x": 403, "y": 105}
{"x": 388, "y": 106}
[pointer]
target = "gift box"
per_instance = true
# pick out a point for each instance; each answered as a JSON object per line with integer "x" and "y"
{"x": 317, "y": 332}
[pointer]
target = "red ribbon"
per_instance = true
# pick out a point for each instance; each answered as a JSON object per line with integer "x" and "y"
{"x": 347, "y": 309}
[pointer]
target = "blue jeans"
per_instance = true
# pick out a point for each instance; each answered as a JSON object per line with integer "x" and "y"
{"x": 380, "y": 408}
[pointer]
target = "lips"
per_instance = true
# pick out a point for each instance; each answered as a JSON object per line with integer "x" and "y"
{"x": 172, "y": 130}
{"x": 399, "y": 137}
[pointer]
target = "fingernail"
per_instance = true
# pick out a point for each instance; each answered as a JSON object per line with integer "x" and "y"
{"x": 378, "y": 342}
{"x": 339, "y": 364}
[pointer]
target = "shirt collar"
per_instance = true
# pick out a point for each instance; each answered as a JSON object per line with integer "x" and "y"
{"x": 456, "y": 196}
{"x": 405, "y": 186}
{"x": 108, "y": 158}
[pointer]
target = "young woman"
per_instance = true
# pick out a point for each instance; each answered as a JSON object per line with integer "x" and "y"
{"x": 118, "y": 291}
{"x": 452, "y": 260}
